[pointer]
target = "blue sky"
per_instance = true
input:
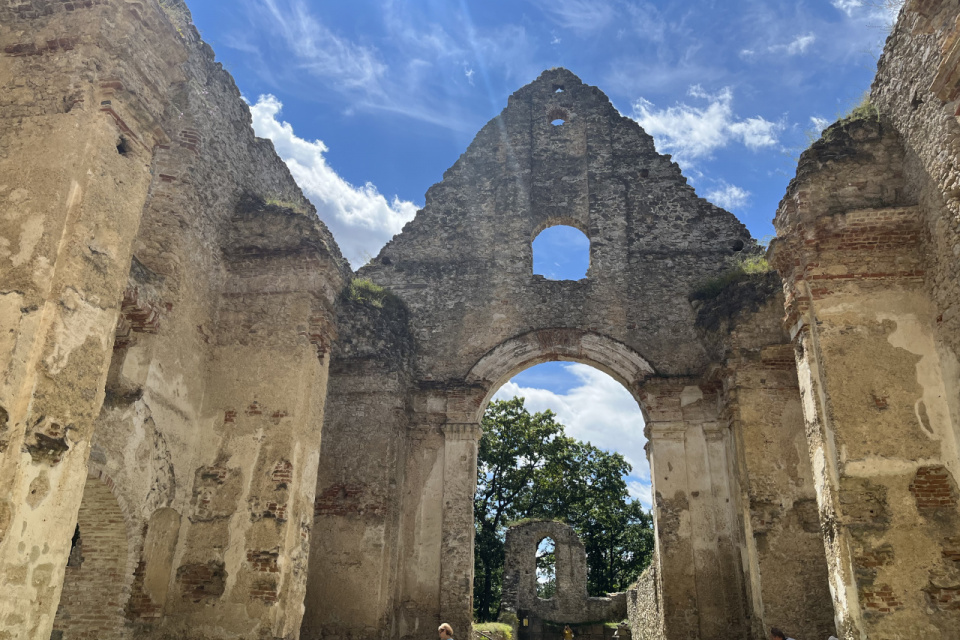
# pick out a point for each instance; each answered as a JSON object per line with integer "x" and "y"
{"x": 369, "y": 101}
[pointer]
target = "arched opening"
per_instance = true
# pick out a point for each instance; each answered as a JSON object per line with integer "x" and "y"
{"x": 546, "y": 559}
{"x": 564, "y": 441}
{"x": 561, "y": 252}
{"x": 95, "y": 580}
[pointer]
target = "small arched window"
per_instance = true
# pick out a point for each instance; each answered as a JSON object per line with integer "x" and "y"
{"x": 561, "y": 253}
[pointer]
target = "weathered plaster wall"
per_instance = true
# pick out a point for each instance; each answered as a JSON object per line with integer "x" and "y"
{"x": 167, "y": 323}
{"x": 880, "y": 428}
{"x": 698, "y": 548}
{"x": 353, "y": 588}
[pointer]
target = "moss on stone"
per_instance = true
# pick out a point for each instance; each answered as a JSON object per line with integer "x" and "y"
{"x": 741, "y": 268}
{"x": 740, "y": 292}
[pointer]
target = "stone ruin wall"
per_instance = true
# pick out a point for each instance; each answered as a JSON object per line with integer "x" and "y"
{"x": 570, "y": 603}
{"x": 644, "y": 607}
{"x": 176, "y": 314}
{"x": 163, "y": 320}
{"x": 866, "y": 250}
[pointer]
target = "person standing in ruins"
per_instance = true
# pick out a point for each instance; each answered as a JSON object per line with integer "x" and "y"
{"x": 445, "y": 631}
{"x": 777, "y": 634}
{"x": 567, "y": 632}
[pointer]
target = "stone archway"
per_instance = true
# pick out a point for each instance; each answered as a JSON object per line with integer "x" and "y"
{"x": 690, "y": 455}
{"x": 97, "y": 577}
{"x": 514, "y": 355}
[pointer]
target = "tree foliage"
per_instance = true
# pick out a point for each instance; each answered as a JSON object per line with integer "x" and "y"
{"x": 527, "y": 467}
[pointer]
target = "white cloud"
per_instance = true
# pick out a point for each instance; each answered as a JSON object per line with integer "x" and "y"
{"x": 599, "y": 410}
{"x": 641, "y": 491}
{"x": 847, "y": 6}
{"x": 798, "y": 45}
{"x": 728, "y": 196}
{"x": 819, "y": 123}
{"x": 691, "y": 132}
{"x": 884, "y": 10}
{"x": 361, "y": 218}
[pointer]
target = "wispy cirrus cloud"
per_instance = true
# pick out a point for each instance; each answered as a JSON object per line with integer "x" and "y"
{"x": 318, "y": 49}
{"x": 361, "y": 219}
{"x": 422, "y": 66}
{"x": 583, "y": 17}
{"x": 691, "y": 132}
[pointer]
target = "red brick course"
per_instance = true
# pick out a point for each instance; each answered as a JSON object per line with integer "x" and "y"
{"x": 879, "y": 598}
{"x": 263, "y": 560}
{"x": 944, "y": 598}
{"x": 202, "y": 582}
{"x": 933, "y": 488}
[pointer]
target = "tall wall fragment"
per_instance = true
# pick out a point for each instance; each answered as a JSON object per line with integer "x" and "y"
{"x": 168, "y": 330}
{"x": 878, "y": 391}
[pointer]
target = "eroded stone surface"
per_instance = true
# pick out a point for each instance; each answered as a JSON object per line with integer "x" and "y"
{"x": 177, "y": 333}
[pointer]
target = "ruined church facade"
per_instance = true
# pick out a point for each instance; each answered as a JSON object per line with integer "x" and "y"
{"x": 209, "y": 429}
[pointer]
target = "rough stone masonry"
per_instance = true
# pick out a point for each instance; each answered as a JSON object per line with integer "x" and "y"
{"x": 209, "y": 430}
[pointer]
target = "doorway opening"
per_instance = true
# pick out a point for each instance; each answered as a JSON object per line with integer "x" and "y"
{"x": 563, "y": 441}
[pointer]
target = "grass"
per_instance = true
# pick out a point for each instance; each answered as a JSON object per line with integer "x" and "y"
{"x": 366, "y": 292}
{"x": 741, "y": 267}
{"x": 502, "y": 630}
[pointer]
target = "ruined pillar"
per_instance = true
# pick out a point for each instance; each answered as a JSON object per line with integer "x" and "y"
{"x": 242, "y": 569}
{"x": 880, "y": 428}
{"x": 75, "y": 161}
{"x": 366, "y": 473}
{"x": 690, "y": 454}
{"x": 759, "y": 400}
{"x": 456, "y": 551}
{"x": 783, "y": 548}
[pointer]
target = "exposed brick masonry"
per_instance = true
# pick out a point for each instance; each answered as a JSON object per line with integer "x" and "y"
{"x": 933, "y": 488}
{"x": 92, "y": 601}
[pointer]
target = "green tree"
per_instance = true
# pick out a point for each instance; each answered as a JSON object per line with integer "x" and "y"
{"x": 528, "y": 467}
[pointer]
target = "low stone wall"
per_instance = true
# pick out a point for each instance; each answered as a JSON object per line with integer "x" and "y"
{"x": 537, "y": 629}
{"x": 643, "y": 607}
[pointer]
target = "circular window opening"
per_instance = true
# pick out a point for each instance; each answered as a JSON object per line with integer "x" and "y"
{"x": 558, "y": 117}
{"x": 738, "y": 245}
{"x": 561, "y": 253}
